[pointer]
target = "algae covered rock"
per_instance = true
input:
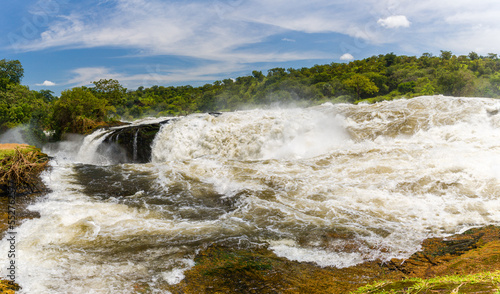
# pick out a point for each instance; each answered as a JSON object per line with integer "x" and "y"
{"x": 463, "y": 263}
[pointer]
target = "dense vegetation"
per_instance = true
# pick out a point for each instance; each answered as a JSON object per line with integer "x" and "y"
{"x": 373, "y": 79}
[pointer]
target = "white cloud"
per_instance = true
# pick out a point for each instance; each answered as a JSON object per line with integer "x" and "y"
{"x": 454, "y": 25}
{"x": 347, "y": 56}
{"x": 394, "y": 21}
{"x": 47, "y": 84}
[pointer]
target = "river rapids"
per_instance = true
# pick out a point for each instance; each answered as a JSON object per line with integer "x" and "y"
{"x": 334, "y": 185}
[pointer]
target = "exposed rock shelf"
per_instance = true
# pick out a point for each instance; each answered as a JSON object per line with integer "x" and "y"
{"x": 221, "y": 269}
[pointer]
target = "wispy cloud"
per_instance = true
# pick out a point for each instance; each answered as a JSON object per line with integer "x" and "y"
{"x": 212, "y": 30}
{"x": 218, "y": 30}
{"x": 155, "y": 28}
{"x": 153, "y": 75}
{"x": 455, "y": 25}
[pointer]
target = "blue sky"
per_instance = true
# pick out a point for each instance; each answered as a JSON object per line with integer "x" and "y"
{"x": 67, "y": 43}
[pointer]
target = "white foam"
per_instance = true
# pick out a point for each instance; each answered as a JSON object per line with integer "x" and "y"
{"x": 88, "y": 151}
{"x": 249, "y": 135}
{"x": 322, "y": 258}
{"x": 176, "y": 275}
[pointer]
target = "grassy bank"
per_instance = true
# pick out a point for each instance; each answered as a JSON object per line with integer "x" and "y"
{"x": 20, "y": 167}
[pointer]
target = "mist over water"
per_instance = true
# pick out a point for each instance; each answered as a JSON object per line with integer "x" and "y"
{"x": 335, "y": 185}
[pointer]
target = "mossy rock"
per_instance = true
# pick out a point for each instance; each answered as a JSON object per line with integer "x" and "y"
{"x": 464, "y": 263}
{"x": 222, "y": 269}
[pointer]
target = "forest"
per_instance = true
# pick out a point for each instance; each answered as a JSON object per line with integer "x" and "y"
{"x": 370, "y": 80}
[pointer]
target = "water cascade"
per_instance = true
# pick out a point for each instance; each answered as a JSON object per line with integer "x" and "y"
{"x": 334, "y": 185}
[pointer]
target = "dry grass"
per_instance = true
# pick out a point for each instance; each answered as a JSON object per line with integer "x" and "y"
{"x": 20, "y": 169}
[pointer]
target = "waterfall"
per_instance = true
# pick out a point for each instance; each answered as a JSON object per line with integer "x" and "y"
{"x": 88, "y": 151}
{"x": 135, "y": 146}
{"x": 333, "y": 185}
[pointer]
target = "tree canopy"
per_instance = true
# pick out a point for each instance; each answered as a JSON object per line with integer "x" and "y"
{"x": 11, "y": 72}
{"x": 78, "y": 110}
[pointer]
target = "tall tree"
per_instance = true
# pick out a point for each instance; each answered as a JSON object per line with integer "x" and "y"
{"x": 78, "y": 111}
{"x": 361, "y": 84}
{"x": 111, "y": 90}
{"x": 11, "y": 72}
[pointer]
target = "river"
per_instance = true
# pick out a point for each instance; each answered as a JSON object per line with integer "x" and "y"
{"x": 335, "y": 185}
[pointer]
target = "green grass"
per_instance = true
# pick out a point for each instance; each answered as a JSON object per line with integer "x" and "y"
{"x": 486, "y": 282}
{"x": 11, "y": 152}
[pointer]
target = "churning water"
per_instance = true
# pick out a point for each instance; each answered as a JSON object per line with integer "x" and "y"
{"x": 334, "y": 184}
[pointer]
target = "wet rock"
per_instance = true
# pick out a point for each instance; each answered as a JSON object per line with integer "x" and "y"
{"x": 439, "y": 255}
{"x": 130, "y": 144}
{"x": 216, "y": 114}
{"x": 221, "y": 269}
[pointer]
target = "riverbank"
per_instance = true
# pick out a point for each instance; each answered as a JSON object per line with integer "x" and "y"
{"x": 20, "y": 167}
{"x": 20, "y": 184}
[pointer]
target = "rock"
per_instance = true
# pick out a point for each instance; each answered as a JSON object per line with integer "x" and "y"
{"x": 130, "y": 144}
{"x": 224, "y": 269}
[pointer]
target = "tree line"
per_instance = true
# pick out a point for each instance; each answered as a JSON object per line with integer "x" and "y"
{"x": 373, "y": 79}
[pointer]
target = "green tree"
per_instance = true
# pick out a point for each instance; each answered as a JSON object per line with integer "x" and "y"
{"x": 456, "y": 83}
{"x": 21, "y": 107}
{"x": 446, "y": 55}
{"x": 16, "y": 106}
{"x": 258, "y": 75}
{"x": 78, "y": 111}
{"x": 473, "y": 56}
{"x": 361, "y": 84}
{"x": 11, "y": 72}
{"x": 407, "y": 87}
{"x": 47, "y": 95}
{"x": 111, "y": 90}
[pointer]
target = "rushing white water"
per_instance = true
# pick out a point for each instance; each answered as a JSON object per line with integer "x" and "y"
{"x": 334, "y": 184}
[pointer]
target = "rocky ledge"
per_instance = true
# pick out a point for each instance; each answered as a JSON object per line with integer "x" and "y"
{"x": 464, "y": 263}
